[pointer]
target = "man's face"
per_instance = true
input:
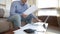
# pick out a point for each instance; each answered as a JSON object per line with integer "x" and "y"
{"x": 24, "y": 1}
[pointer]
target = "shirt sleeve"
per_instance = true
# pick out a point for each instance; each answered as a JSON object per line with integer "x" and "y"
{"x": 26, "y": 6}
{"x": 13, "y": 9}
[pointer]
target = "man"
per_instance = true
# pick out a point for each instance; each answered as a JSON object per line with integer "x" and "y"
{"x": 16, "y": 13}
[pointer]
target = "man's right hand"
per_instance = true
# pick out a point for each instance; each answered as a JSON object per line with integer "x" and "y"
{"x": 24, "y": 15}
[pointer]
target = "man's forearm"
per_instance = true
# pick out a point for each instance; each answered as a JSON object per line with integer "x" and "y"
{"x": 38, "y": 19}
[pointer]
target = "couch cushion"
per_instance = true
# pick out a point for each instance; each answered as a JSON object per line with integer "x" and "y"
{"x": 1, "y": 12}
{"x": 4, "y": 25}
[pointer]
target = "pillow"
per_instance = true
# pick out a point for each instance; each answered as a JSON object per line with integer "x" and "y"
{"x": 1, "y": 12}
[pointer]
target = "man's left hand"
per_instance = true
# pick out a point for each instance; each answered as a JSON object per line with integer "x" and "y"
{"x": 39, "y": 20}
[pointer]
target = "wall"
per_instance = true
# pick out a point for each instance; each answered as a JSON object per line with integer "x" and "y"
{"x": 7, "y": 12}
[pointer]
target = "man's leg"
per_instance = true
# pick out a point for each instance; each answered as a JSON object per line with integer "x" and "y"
{"x": 29, "y": 19}
{"x": 17, "y": 20}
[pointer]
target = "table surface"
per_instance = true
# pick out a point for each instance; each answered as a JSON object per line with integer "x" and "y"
{"x": 36, "y": 26}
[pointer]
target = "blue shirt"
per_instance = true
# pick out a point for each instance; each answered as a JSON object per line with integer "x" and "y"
{"x": 18, "y": 7}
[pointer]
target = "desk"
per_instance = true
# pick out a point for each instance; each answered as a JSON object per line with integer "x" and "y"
{"x": 36, "y": 26}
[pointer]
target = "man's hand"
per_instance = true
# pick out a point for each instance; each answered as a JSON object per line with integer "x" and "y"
{"x": 38, "y": 20}
{"x": 24, "y": 15}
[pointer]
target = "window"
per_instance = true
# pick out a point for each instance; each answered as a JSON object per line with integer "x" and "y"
{"x": 46, "y": 3}
{"x": 46, "y": 6}
{"x": 52, "y": 12}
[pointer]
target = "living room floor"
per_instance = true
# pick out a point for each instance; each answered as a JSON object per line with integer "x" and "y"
{"x": 50, "y": 30}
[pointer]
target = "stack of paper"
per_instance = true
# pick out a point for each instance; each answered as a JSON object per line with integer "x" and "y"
{"x": 36, "y": 26}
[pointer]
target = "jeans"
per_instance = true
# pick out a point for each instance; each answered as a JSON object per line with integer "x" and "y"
{"x": 18, "y": 19}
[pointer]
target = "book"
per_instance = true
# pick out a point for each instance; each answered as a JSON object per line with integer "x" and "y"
{"x": 30, "y": 10}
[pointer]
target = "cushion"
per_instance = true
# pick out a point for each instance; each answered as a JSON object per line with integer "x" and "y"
{"x": 1, "y": 12}
{"x": 5, "y": 25}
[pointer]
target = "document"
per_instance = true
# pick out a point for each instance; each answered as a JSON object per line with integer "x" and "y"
{"x": 30, "y": 10}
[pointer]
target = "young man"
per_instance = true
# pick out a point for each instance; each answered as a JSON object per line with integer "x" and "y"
{"x": 16, "y": 13}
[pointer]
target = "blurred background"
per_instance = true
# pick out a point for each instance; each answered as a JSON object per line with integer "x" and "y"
{"x": 47, "y": 8}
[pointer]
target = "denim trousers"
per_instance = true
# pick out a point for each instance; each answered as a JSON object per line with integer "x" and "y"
{"x": 18, "y": 19}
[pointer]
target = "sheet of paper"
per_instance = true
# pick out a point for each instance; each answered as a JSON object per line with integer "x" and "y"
{"x": 19, "y": 32}
{"x": 30, "y": 10}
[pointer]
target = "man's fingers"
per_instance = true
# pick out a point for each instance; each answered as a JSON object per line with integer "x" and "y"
{"x": 24, "y": 15}
{"x": 39, "y": 20}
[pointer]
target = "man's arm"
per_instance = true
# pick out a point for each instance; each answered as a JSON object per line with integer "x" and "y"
{"x": 13, "y": 8}
{"x": 24, "y": 15}
{"x": 35, "y": 18}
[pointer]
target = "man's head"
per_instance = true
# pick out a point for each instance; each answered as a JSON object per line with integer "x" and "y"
{"x": 23, "y": 1}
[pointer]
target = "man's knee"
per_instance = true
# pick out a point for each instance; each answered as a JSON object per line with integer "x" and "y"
{"x": 16, "y": 16}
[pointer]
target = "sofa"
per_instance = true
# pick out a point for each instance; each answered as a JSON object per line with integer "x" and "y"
{"x": 5, "y": 25}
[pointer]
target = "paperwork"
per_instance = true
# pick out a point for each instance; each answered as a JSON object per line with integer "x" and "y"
{"x": 36, "y": 26}
{"x": 30, "y": 10}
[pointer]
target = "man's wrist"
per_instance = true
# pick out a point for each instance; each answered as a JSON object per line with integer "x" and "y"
{"x": 39, "y": 20}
